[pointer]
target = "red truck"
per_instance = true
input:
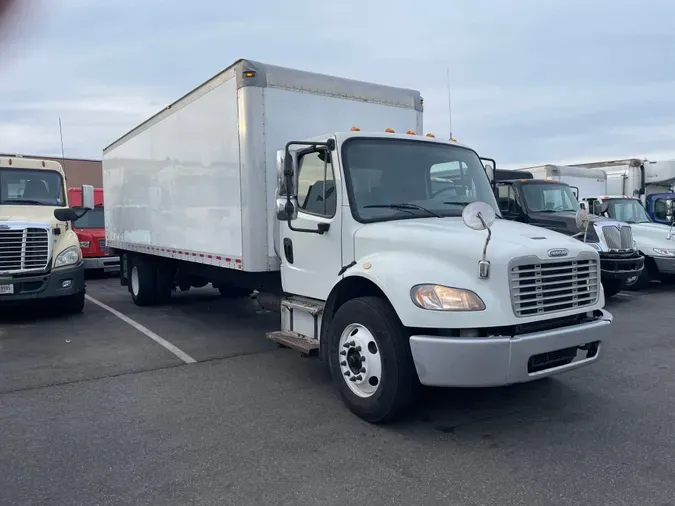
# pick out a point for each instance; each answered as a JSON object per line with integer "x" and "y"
{"x": 90, "y": 230}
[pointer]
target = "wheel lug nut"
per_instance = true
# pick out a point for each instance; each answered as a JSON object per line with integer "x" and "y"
{"x": 348, "y": 344}
{"x": 353, "y": 378}
{"x": 363, "y": 369}
{"x": 347, "y": 373}
{"x": 357, "y": 349}
{"x": 363, "y": 359}
{"x": 343, "y": 353}
{"x": 343, "y": 363}
{"x": 359, "y": 378}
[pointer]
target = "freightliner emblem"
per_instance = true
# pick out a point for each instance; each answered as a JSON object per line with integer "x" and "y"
{"x": 561, "y": 252}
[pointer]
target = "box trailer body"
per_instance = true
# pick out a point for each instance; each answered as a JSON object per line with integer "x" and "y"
{"x": 652, "y": 182}
{"x": 197, "y": 181}
{"x": 324, "y": 194}
{"x": 585, "y": 181}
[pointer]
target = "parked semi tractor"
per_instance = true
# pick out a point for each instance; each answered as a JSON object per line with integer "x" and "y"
{"x": 652, "y": 182}
{"x": 549, "y": 202}
{"x": 317, "y": 192}
{"x": 654, "y": 240}
{"x": 40, "y": 256}
{"x": 90, "y": 230}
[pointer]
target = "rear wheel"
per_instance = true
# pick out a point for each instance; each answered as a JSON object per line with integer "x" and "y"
{"x": 612, "y": 287}
{"x": 370, "y": 360}
{"x": 143, "y": 281}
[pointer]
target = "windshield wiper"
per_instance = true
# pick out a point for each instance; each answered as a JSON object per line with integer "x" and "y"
{"x": 404, "y": 207}
{"x": 24, "y": 201}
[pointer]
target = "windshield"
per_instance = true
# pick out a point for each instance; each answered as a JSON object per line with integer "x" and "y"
{"x": 391, "y": 179}
{"x": 627, "y": 210}
{"x": 93, "y": 219}
{"x": 31, "y": 187}
{"x": 549, "y": 197}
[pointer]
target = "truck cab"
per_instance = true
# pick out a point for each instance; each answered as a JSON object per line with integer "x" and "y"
{"x": 654, "y": 240}
{"x": 40, "y": 255}
{"x": 553, "y": 205}
{"x": 90, "y": 230}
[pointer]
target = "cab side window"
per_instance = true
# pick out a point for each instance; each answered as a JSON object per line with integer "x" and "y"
{"x": 316, "y": 185}
{"x": 508, "y": 200}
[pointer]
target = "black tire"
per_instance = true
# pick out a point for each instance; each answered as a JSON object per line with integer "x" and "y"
{"x": 143, "y": 281}
{"x": 399, "y": 386}
{"x": 165, "y": 272}
{"x": 667, "y": 279}
{"x": 73, "y": 304}
{"x": 231, "y": 291}
{"x": 612, "y": 287}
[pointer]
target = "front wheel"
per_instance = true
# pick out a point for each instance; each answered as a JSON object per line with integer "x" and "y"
{"x": 612, "y": 287}
{"x": 370, "y": 360}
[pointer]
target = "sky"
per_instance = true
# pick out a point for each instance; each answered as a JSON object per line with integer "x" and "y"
{"x": 531, "y": 82}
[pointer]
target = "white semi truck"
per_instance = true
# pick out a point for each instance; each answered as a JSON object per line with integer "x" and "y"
{"x": 40, "y": 256}
{"x": 261, "y": 179}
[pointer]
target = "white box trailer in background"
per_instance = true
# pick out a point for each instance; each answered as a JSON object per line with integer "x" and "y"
{"x": 257, "y": 180}
{"x": 583, "y": 181}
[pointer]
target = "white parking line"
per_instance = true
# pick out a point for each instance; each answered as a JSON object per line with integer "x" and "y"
{"x": 163, "y": 342}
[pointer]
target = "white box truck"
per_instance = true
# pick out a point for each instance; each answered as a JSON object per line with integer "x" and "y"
{"x": 260, "y": 179}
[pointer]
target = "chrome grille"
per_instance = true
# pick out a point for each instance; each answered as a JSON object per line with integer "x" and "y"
{"x": 542, "y": 287}
{"x": 24, "y": 250}
{"x": 618, "y": 238}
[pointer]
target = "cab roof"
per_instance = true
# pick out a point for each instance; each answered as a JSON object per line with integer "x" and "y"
{"x": 19, "y": 162}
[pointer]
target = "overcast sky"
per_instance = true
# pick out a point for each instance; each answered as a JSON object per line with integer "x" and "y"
{"x": 532, "y": 81}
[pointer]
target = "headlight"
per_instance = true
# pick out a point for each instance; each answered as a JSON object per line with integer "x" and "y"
{"x": 445, "y": 298}
{"x": 68, "y": 256}
{"x": 84, "y": 244}
{"x": 665, "y": 252}
{"x": 594, "y": 245}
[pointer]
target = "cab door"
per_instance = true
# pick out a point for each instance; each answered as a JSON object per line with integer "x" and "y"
{"x": 311, "y": 245}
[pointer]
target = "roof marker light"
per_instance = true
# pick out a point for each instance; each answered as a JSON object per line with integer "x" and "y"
{"x": 355, "y": 129}
{"x": 430, "y": 135}
{"x": 411, "y": 132}
{"x": 390, "y": 131}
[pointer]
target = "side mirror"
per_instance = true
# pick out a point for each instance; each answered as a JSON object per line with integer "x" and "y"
{"x": 65, "y": 214}
{"x": 285, "y": 208}
{"x": 602, "y": 208}
{"x": 87, "y": 196}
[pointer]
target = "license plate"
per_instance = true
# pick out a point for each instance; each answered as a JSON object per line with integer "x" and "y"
{"x": 6, "y": 289}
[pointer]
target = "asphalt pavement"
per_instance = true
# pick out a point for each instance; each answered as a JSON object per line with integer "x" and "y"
{"x": 97, "y": 410}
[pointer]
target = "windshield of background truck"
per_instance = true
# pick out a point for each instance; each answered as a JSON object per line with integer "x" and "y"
{"x": 630, "y": 211}
{"x": 31, "y": 187}
{"x": 419, "y": 179}
{"x": 549, "y": 197}
{"x": 93, "y": 219}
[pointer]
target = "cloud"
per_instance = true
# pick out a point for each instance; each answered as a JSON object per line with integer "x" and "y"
{"x": 531, "y": 82}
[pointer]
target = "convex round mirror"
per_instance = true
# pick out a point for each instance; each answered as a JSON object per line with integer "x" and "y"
{"x": 472, "y": 214}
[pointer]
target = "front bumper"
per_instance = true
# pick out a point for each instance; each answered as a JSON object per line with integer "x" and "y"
{"x": 621, "y": 266}
{"x": 665, "y": 265}
{"x": 108, "y": 264}
{"x": 57, "y": 283}
{"x": 489, "y": 362}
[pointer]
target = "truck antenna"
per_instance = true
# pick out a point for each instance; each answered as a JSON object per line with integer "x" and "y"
{"x": 449, "y": 101}
{"x": 63, "y": 155}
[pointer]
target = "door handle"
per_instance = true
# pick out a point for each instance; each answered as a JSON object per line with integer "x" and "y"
{"x": 288, "y": 250}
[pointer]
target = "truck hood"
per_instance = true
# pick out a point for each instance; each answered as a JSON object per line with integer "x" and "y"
{"x": 564, "y": 222}
{"x": 450, "y": 238}
{"x": 652, "y": 235}
{"x": 30, "y": 214}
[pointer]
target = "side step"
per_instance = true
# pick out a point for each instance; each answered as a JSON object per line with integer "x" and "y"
{"x": 295, "y": 341}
